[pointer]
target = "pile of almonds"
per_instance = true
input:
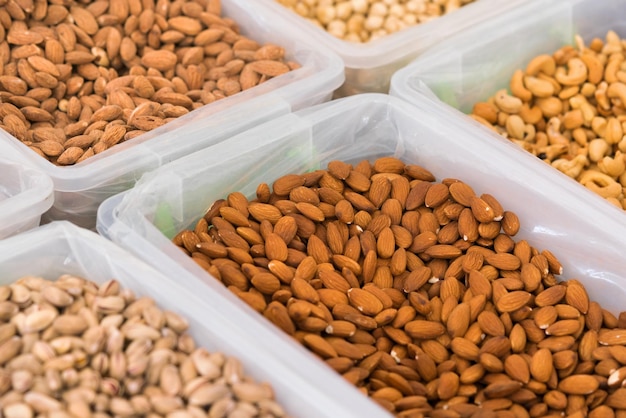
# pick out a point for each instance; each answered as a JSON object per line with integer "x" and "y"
{"x": 71, "y": 348}
{"x": 415, "y": 291}
{"x": 569, "y": 109}
{"x": 77, "y": 78}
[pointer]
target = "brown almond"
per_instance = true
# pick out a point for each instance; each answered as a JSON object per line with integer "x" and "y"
{"x": 541, "y": 365}
{"x": 576, "y": 296}
{"x": 462, "y": 193}
{"x": 579, "y": 384}
{"x": 503, "y": 261}
{"x": 513, "y": 301}
{"x": 161, "y": 60}
{"x": 364, "y": 301}
{"x": 421, "y": 329}
{"x": 550, "y": 296}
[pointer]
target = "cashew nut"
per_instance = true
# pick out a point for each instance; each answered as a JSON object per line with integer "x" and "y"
{"x": 486, "y": 111}
{"x": 580, "y": 102}
{"x": 576, "y": 73}
{"x": 617, "y": 90}
{"x": 541, "y": 63}
{"x": 598, "y": 126}
{"x": 613, "y": 132}
{"x": 529, "y": 132}
{"x": 598, "y": 148}
{"x": 569, "y": 92}
{"x": 595, "y": 69}
{"x": 531, "y": 114}
{"x": 600, "y": 183}
{"x": 550, "y": 106}
{"x": 612, "y": 44}
{"x": 614, "y": 167}
{"x": 540, "y": 88}
{"x": 515, "y": 126}
{"x": 507, "y": 103}
{"x": 612, "y": 67}
{"x": 588, "y": 89}
{"x": 551, "y": 152}
{"x": 571, "y": 168}
{"x": 517, "y": 86}
{"x": 573, "y": 119}
{"x": 580, "y": 137}
{"x": 601, "y": 96}
{"x": 553, "y": 130}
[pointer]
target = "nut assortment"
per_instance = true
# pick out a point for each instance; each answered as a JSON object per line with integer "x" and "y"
{"x": 71, "y": 348}
{"x": 569, "y": 109}
{"x": 77, "y": 78}
{"x": 364, "y": 20}
{"x": 416, "y": 292}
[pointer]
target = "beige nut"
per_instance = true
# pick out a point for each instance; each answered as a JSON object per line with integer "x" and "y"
{"x": 517, "y": 86}
{"x": 600, "y": 183}
{"x": 614, "y": 167}
{"x": 598, "y": 148}
{"x": 507, "y": 103}
{"x": 541, "y": 63}
{"x": 573, "y": 167}
{"x": 539, "y": 87}
{"x": 576, "y": 73}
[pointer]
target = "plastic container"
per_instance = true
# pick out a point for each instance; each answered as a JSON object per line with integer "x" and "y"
{"x": 81, "y": 188}
{"x": 25, "y": 194}
{"x": 471, "y": 68}
{"x": 351, "y": 129}
{"x": 61, "y": 247}
{"x": 369, "y": 66}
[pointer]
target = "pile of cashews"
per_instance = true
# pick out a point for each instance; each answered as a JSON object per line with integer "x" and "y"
{"x": 569, "y": 109}
{"x": 366, "y": 20}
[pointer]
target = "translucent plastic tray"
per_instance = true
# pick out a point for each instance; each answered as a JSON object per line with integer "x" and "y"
{"x": 25, "y": 194}
{"x": 61, "y": 247}
{"x": 472, "y": 67}
{"x": 163, "y": 202}
{"x": 81, "y": 188}
{"x": 369, "y": 66}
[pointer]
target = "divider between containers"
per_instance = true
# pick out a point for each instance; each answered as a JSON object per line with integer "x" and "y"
{"x": 62, "y": 248}
{"x": 165, "y": 201}
{"x": 472, "y": 67}
{"x": 25, "y": 194}
{"x": 79, "y": 189}
{"x": 369, "y": 66}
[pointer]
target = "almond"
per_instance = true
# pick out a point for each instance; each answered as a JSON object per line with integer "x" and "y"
{"x": 579, "y": 384}
{"x": 424, "y": 330}
{"x": 364, "y": 301}
{"x": 513, "y": 301}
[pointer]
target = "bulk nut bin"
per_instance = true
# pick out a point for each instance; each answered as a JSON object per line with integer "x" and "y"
{"x": 464, "y": 71}
{"x": 370, "y": 65}
{"x": 80, "y": 188}
{"x": 25, "y": 194}
{"x": 61, "y": 248}
{"x": 168, "y": 200}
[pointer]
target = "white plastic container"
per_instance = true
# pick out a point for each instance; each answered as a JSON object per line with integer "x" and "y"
{"x": 25, "y": 194}
{"x": 369, "y": 66}
{"x": 81, "y": 188}
{"x": 471, "y": 68}
{"x": 61, "y": 247}
{"x": 360, "y": 127}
